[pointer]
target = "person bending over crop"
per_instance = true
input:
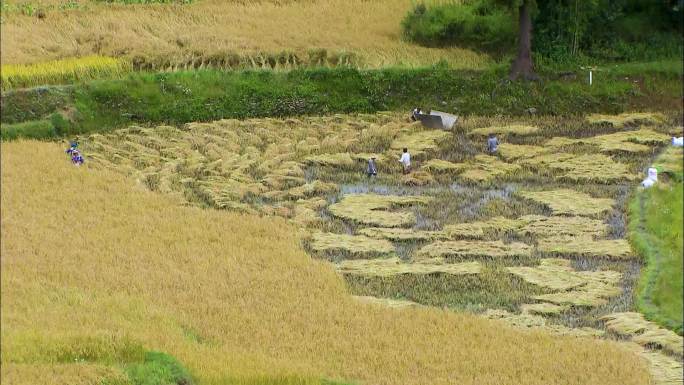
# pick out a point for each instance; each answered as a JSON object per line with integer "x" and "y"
{"x": 405, "y": 161}
{"x": 372, "y": 169}
{"x": 492, "y": 144}
{"x": 76, "y": 158}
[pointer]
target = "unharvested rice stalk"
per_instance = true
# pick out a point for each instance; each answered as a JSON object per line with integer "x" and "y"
{"x": 419, "y": 142}
{"x": 512, "y": 130}
{"x": 543, "y": 308}
{"x": 474, "y": 249}
{"x": 401, "y": 235}
{"x": 305, "y": 216}
{"x": 628, "y": 118}
{"x": 387, "y": 302}
{"x": 371, "y": 209}
{"x": 387, "y": 267}
{"x": 570, "y": 202}
{"x": 356, "y": 245}
{"x": 511, "y": 152}
{"x": 62, "y": 71}
{"x": 484, "y": 168}
{"x": 585, "y": 246}
{"x": 493, "y": 227}
{"x": 554, "y": 226}
{"x": 644, "y": 332}
{"x": 439, "y": 166}
{"x": 535, "y": 322}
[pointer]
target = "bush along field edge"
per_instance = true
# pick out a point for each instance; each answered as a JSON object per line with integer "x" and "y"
{"x": 195, "y": 96}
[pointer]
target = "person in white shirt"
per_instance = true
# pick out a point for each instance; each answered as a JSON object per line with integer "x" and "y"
{"x": 405, "y": 160}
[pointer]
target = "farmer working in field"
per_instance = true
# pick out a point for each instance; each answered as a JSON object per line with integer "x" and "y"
{"x": 414, "y": 114}
{"x": 72, "y": 147}
{"x": 372, "y": 169}
{"x": 405, "y": 160}
{"x": 492, "y": 144}
{"x": 76, "y": 158}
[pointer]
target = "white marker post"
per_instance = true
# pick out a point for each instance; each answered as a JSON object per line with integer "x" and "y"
{"x": 590, "y": 79}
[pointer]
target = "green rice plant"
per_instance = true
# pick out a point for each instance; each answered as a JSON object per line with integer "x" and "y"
{"x": 474, "y": 249}
{"x": 386, "y": 267}
{"x": 570, "y": 202}
{"x": 62, "y": 71}
{"x": 371, "y": 209}
{"x": 643, "y": 332}
{"x": 585, "y": 246}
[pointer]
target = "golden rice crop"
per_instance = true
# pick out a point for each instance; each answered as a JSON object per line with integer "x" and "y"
{"x": 233, "y": 297}
{"x": 228, "y": 34}
{"x": 62, "y": 71}
{"x": 530, "y": 321}
{"x": 466, "y": 249}
{"x": 356, "y": 245}
{"x": 372, "y": 209}
{"x": 386, "y": 267}
{"x": 584, "y": 245}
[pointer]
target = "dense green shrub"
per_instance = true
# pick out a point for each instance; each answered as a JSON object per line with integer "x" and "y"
{"x": 479, "y": 24}
{"x": 33, "y": 129}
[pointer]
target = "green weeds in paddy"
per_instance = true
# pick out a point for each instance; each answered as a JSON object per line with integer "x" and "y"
{"x": 492, "y": 288}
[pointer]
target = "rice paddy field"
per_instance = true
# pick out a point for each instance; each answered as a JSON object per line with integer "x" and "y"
{"x": 219, "y": 33}
{"x": 530, "y": 242}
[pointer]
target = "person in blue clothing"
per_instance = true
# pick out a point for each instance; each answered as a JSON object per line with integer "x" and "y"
{"x": 72, "y": 147}
{"x": 492, "y": 144}
{"x": 76, "y": 158}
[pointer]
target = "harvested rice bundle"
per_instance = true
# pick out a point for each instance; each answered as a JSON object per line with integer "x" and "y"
{"x": 594, "y": 167}
{"x": 474, "y": 249}
{"x": 570, "y": 202}
{"x": 417, "y": 178}
{"x": 515, "y": 129}
{"x": 485, "y": 168}
{"x": 621, "y": 120}
{"x": 398, "y": 234}
{"x": 305, "y": 216}
{"x": 281, "y": 182}
{"x": 556, "y": 226}
{"x": 644, "y": 332}
{"x": 356, "y": 245}
{"x": 510, "y": 151}
{"x": 312, "y": 203}
{"x": 419, "y": 142}
{"x": 664, "y": 369}
{"x": 543, "y": 308}
{"x": 530, "y": 321}
{"x": 331, "y": 160}
{"x": 309, "y": 189}
{"x": 546, "y": 159}
{"x": 442, "y": 166}
{"x": 584, "y": 246}
{"x": 478, "y": 230}
{"x": 387, "y": 267}
{"x": 387, "y": 302}
{"x": 371, "y": 209}
{"x": 554, "y": 274}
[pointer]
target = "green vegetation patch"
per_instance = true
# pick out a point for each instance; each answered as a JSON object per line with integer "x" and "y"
{"x": 670, "y": 162}
{"x": 35, "y": 129}
{"x": 158, "y": 369}
{"x": 372, "y": 209}
{"x": 570, "y": 202}
{"x": 644, "y": 332}
{"x": 474, "y": 249}
{"x": 386, "y": 267}
{"x": 356, "y": 245}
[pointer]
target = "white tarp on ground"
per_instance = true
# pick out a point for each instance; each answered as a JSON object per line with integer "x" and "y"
{"x": 678, "y": 142}
{"x": 438, "y": 119}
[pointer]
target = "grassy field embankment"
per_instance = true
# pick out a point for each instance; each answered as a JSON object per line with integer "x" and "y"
{"x": 181, "y": 97}
{"x": 656, "y": 227}
{"x": 96, "y": 271}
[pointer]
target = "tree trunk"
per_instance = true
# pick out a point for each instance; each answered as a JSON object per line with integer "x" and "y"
{"x": 522, "y": 66}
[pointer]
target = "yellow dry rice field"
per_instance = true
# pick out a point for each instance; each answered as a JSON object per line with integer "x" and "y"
{"x": 367, "y": 33}
{"x": 86, "y": 256}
